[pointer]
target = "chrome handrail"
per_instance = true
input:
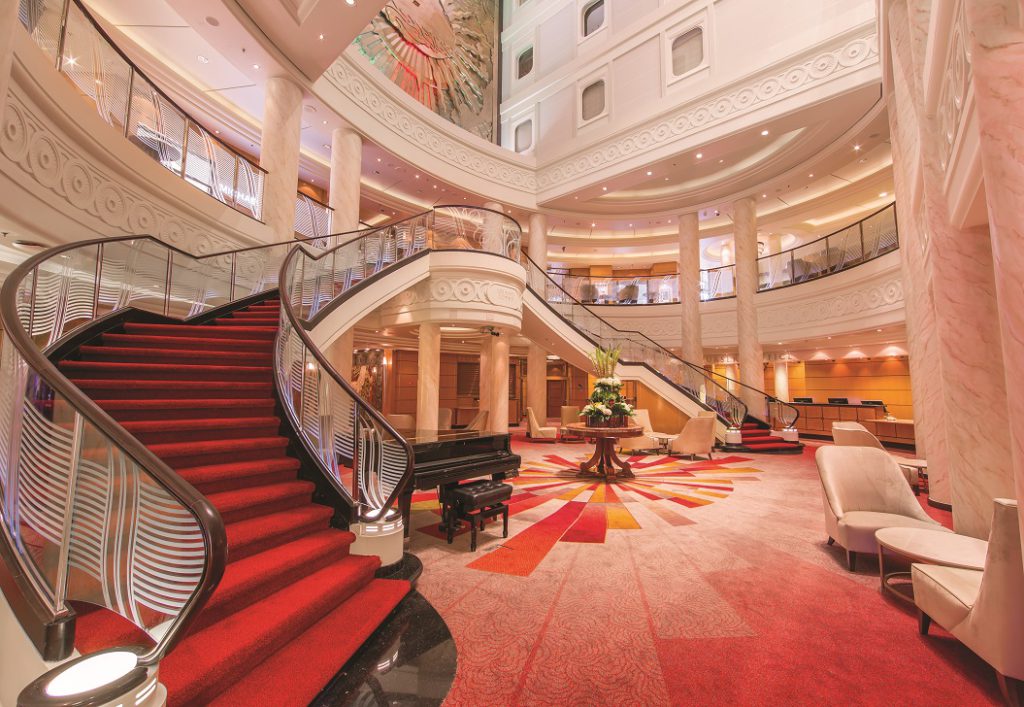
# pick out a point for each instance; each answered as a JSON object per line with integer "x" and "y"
{"x": 312, "y": 217}
{"x": 88, "y": 511}
{"x": 354, "y": 446}
{"x": 862, "y": 241}
{"x": 637, "y": 348}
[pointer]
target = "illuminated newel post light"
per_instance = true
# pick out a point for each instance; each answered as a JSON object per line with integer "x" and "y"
{"x": 607, "y": 407}
{"x": 116, "y": 676}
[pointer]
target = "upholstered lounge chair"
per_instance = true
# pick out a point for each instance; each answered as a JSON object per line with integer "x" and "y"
{"x": 570, "y": 415}
{"x": 696, "y": 437}
{"x": 535, "y": 431}
{"x": 401, "y": 421}
{"x": 643, "y": 443}
{"x": 444, "y": 418}
{"x": 854, "y": 434}
{"x": 984, "y": 610}
{"x": 864, "y": 490}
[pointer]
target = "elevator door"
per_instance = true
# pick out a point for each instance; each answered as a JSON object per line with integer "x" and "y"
{"x": 556, "y": 398}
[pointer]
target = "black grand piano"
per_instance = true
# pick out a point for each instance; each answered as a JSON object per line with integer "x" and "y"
{"x": 443, "y": 458}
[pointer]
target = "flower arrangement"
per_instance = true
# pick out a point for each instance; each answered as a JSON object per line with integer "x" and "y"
{"x": 607, "y": 407}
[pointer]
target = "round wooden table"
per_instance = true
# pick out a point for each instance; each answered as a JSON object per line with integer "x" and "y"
{"x": 605, "y": 463}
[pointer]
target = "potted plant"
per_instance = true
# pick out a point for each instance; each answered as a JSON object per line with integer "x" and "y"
{"x": 597, "y": 414}
{"x": 607, "y": 407}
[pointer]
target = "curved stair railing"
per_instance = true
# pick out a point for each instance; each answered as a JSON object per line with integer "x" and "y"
{"x": 777, "y": 413}
{"x": 356, "y": 448}
{"x": 87, "y": 512}
{"x": 695, "y": 381}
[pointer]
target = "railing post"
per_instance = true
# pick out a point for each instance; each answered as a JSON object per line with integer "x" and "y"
{"x": 167, "y": 282}
{"x": 184, "y": 147}
{"x": 62, "y": 35}
{"x": 96, "y": 282}
{"x": 61, "y": 584}
{"x": 128, "y": 107}
{"x": 231, "y": 284}
{"x": 31, "y": 302}
{"x": 792, "y": 267}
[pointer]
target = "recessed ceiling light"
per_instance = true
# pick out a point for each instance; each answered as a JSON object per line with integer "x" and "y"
{"x": 350, "y": 2}
{"x": 811, "y": 175}
{"x": 416, "y": 176}
{"x": 378, "y": 159}
{"x": 764, "y": 196}
{"x": 202, "y": 59}
{"x": 593, "y": 225}
{"x": 699, "y": 155}
{"x": 856, "y": 148}
{"x": 217, "y": 132}
{"x": 764, "y": 133}
{"x": 321, "y": 37}
{"x": 666, "y": 179}
{"x": 325, "y": 122}
{"x": 649, "y": 173}
{"x": 256, "y": 66}
{"x": 631, "y": 225}
{"x": 884, "y": 193}
{"x": 604, "y": 188}
{"x": 213, "y": 21}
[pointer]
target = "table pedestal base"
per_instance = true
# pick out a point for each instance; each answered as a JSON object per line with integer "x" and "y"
{"x": 605, "y": 463}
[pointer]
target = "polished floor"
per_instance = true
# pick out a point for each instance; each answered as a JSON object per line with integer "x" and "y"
{"x": 694, "y": 584}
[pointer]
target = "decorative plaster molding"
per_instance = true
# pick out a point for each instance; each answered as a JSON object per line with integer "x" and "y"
{"x": 403, "y": 118}
{"x": 955, "y": 87}
{"x": 845, "y": 56}
{"x": 460, "y": 289}
{"x": 59, "y": 166}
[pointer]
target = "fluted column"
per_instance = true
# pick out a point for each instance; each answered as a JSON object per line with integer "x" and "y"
{"x": 8, "y": 24}
{"x": 493, "y": 241}
{"x": 538, "y": 245}
{"x": 279, "y": 154}
{"x": 996, "y": 56}
{"x": 485, "y": 377}
{"x": 750, "y": 353}
{"x": 537, "y": 381}
{"x": 346, "y": 167}
{"x": 428, "y": 368}
{"x": 340, "y": 354}
{"x": 689, "y": 288}
{"x": 499, "y": 383}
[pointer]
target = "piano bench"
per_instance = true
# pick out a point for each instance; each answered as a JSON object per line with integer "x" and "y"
{"x": 476, "y": 501}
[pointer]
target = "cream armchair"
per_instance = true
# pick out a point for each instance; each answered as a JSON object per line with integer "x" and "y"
{"x": 984, "y": 610}
{"x": 645, "y": 441}
{"x": 863, "y": 491}
{"x": 535, "y": 431}
{"x": 478, "y": 422}
{"x": 696, "y": 437}
{"x": 444, "y": 418}
{"x": 402, "y": 421}
{"x": 570, "y": 415}
{"x": 854, "y": 434}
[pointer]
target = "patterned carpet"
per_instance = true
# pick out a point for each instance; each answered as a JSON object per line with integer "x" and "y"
{"x": 695, "y": 583}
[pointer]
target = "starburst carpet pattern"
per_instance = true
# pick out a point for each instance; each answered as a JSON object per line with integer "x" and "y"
{"x": 693, "y": 584}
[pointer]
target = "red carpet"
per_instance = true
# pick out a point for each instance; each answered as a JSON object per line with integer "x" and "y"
{"x": 293, "y": 604}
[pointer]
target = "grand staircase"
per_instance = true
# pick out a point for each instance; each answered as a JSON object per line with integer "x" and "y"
{"x": 293, "y": 604}
{"x": 758, "y": 438}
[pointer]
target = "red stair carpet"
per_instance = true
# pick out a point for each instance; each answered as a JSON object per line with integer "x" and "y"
{"x": 758, "y": 438}
{"x": 293, "y": 605}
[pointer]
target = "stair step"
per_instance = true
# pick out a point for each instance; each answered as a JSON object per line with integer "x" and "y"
{"x": 171, "y": 390}
{"x": 254, "y": 322}
{"x": 165, "y": 371}
{"x": 181, "y": 455}
{"x": 214, "y": 478}
{"x": 264, "y": 313}
{"x": 207, "y": 661}
{"x": 246, "y": 503}
{"x": 202, "y": 430}
{"x": 139, "y": 410}
{"x": 248, "y": 537}
{"x": 187, "y": 344}
{"x": 245, "y": 581}
{"x": 313, "y": 658}
{"x": 184, "y": 356}
{"x": 190, "y": 331}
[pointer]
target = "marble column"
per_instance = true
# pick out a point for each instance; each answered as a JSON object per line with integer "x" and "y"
{"x": 782, "y": 380}
{"x": 8, "y": 25}
{"x": 346, "y": 167}
{"x": 485, "y": 376}
{"x": 499, "y": 383}
{"x": 751, "y": 355}
{"x": 428, "y": 369}
{"x": 997, "y": 55}
{"x": 538, "y": 245}
{"x": 922, "y": 338}
{"x": 537, "y": 381}
{"x": 689, "y": 288}
{"x": 340, "y": 354}
{"x": 279, "y": 154}
{"x": 733, "y": 374}
{"x": 493, "y": 241}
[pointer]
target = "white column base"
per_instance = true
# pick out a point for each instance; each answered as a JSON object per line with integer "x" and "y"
{"x": 384, "y": 538}
{"x": 790, "y": 434}
{"x": 733, "y": 437}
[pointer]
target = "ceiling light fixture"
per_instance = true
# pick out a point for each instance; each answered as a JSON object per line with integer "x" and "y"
{"x": 350, "y": 2}
{"x": 884, "y": 193}
{"x": 764, "y": 133}
{"x": 700, "y": 155}
{"x": 649, "y": 173}
{"x": 604, "y": 188}
{"x": 321, "y": 37}
{"x": 256, "y": 66}
{"x": 811, "y": 175}
{"x": 764, "y": 196}
{"x": 202, "y": 59}
{"x": 856, "y": 148}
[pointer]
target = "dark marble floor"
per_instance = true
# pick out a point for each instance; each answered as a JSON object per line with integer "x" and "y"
{"x": 410, "y": 660}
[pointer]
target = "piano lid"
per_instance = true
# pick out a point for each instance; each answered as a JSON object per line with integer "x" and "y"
{"x": 415, "y": 437}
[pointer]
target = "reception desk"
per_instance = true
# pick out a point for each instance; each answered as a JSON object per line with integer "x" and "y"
{"x": 816, "y": 419}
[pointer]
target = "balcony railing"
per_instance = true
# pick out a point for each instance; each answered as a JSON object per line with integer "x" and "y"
{"x": 854, "y": 245}
{"x": 312, "y": 217}
{"x": 128, "y": 101}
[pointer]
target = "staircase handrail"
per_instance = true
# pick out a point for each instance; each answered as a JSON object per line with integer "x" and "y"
{"x": 732, "y": 411}
{"x": 354, "y": 445}
{"x": 64, "y": 460}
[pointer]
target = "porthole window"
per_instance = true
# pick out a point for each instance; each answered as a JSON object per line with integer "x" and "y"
{"x": 593, "y": 17}
{"x": 687, "y": 51}
{"x": 524, "y": 65}
{"x": 524, "y": 136}
{"x": 592, "y": 101}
